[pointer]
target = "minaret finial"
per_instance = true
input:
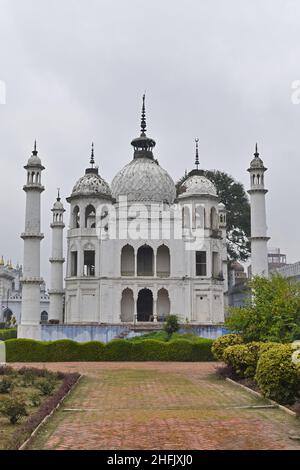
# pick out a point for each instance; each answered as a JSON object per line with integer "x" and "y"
{"x": 58, "y": 194}
{"x": 34, "y": 152}
{"x": 92, "y": 160}
{"x": 143, "y": 119}
{"x": 256, "y": 154}
{"x": 197, "y": 154}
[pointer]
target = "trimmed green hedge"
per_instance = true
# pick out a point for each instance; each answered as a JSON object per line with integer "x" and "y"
{"x": 8, "y": 333}
{"x": 181, "y": 350}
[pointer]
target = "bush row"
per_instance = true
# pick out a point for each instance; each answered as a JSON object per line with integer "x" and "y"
{"x": 269, "y": 364}
{"x": 27, "y": 350}
{"x": 8, "y": 333}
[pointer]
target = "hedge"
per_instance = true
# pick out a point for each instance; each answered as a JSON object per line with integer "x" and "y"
{"x": 8, "y": 333}
{"x": 27, "y": 350}
{"x": 276, "y": 375}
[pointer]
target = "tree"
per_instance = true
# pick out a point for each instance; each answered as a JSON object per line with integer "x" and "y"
{"x": 171, "y": 325}
{"x": 271, "y": 314}
{"x": 232, "y": 194}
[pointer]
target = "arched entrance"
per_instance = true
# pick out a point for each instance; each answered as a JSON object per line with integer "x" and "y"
{"x": 145, "y": 305}
{"x": 7, "y": 315}
{"x": 163, "y": 304}
{"x": 127, "y": 305}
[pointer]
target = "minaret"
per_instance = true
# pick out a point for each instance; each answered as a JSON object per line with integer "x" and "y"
{"x": 259, "y": 239}
{"x": 31, "y": 280}
{"x": 56, "y": 292}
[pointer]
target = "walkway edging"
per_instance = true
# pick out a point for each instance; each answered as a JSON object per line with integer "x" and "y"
{"x": 259, "y": 395}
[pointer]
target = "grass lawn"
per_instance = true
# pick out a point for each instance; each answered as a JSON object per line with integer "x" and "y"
{"x": 25, "y": 387}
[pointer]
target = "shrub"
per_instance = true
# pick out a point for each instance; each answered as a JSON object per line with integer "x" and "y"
{"x": 35, "y": 399}
{"x": 221, "y": 343}
{"x": 277, "y": 377}
{"x": 66, "y": 348}
{"x": 92, "y": 351}
{"x": 6, "y": 385}
{"x": 13, "y": 409}
{"x": 171, "y": 325}
{"x": 150, "y": 350}
{"x": 242, "y": 358}
{"x": 8, "y": 333}
{"x": 46, "y": 386}
{"x": 117, "y": 350}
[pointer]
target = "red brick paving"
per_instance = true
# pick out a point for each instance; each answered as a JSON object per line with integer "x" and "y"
{"x": 161, "y": 406}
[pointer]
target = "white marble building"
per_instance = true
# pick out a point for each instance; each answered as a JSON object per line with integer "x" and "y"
{"x": 138, "y": 249}
{"x": 124, "y": 279}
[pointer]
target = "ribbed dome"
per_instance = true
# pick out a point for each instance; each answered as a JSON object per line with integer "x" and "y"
{"x": 143, "y": 180}
{"x": 91, "y": 184}
{"x": 197, "y": 185}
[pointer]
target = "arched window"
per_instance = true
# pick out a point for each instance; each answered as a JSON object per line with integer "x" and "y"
{"x": 145, "y": 261}
{"x": 127, "y": 261}
{"x": 90, "y": 216}
{"x": 186, "y": 217}
{"x": 163, "y": 304}
{"x": 145, "y": 305}
{"x": 76, "y": 217}
{"x": 127, "y": 306}
{"x": 44, "y": 317}
{"x": 163, "y": 261}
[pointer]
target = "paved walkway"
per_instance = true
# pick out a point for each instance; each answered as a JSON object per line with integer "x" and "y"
{"x": 161, "y": 406}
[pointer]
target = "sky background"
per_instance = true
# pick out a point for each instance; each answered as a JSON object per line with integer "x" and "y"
{"x": 75, "y": 72}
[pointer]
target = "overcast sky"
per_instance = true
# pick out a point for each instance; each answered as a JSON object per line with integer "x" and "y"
{"x": 75, "y": 71}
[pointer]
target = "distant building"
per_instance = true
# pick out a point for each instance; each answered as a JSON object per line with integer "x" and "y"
{"x": 238, "y": 291}
{"x": 11, "y": 294}
{"x": 276, "y": 259}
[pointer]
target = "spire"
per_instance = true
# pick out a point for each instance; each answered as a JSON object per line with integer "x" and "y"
{"x": 34, "y": 152}
{"x": 143, "y": 145}
{"x": 143, "y": 118}
{"x": 58, "y": 195}
{"x": 197, "y": 154}
{"x": 92, "y": 160}
{"x": 256, "y": 154}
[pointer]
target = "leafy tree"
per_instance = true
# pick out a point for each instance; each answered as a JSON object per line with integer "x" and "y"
{"x": 272, "y": 314}
{"x": 232, "y": 194}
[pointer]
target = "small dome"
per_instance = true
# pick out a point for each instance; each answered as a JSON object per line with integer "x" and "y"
{"x": 34, "y": 160}
{"x": 91, "y": 184}
{"x": 197, "y": 185}
{"x": 221, "y": 206}
{"x": 257, "y": 163}
{"x": 58, "y": 205}
{"x": 144, "y": 180}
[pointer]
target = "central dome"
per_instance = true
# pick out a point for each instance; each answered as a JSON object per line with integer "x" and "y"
{"x": 143, "y": 180}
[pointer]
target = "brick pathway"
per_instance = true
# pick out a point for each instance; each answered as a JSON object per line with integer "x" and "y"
{"x": 161, "y": 406}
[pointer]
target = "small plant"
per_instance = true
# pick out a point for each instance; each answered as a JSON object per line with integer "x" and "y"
{"x": 172, "y": 325}
{"x": 46, "y": 386}
{"x": 6, "y": 385}
{"x": 35, "y": 399}
{"x": 14, "y": 409}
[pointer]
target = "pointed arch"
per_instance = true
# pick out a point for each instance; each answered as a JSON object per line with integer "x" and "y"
{"x": 145, "y": 257}
{"x": 127, "y": 260}
{"x": 163, "y": 261}
{"x": 127, "y": 305}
